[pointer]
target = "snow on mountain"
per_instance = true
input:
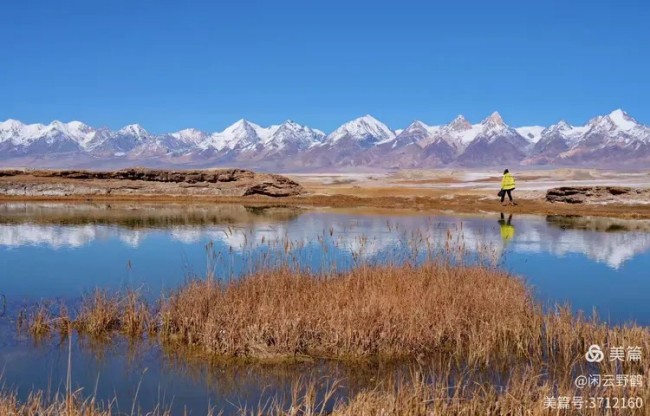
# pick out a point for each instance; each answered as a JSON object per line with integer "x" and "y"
{"x": 462, "y": 132}
{"x": 190, "y": 136}
{"x": 364, "y": 141}
{"x": 616, "y": 121}
{"x": 24, "y": 134}
{"x": 616, "y": 127}
{"x": 241, "y": 134}
{"x": 558, "y": 138}
{"x": 246, "y": 136}
{"x": 121, "y": 142}
{"x": 365, "y": 129}
{"x": 531, "y": 133}
{"x": 290, "y": 133}
{"x": 615, "y": 136}
{"x": 571, "y": 133}
{"x": 11, "y": 130}
{"x": 133, "y": 130}
{"x": 417, "y": 132}
{"x": 459, "y": 133}
{"x": 494, "y": 126}
{"x": 495, "y": 143}
{"x": 622, "y": 120}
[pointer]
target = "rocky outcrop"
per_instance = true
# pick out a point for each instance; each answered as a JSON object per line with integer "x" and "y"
{"x": 598, "y": 195}
{"x": 219, "y": 182}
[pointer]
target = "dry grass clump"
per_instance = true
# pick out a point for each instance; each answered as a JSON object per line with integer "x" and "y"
{"x": 479, "y": 315}
{"x": 39, "y": 322}
{"x": 37, "y": 405}
{"x": 99, "y": 315}
{"x": 102, "y": 314}
{"x": 389, "y": 311}
{"x": 382, "y": 311}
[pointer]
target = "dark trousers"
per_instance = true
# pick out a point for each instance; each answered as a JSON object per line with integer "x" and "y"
{"x": 509, "y": 192}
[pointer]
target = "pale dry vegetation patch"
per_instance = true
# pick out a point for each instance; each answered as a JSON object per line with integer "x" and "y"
{"x": 504, "y": 354}
{"x": 389, "y": 311}
{"x": 37, "y": 404}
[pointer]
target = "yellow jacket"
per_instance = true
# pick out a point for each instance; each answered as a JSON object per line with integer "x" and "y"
{"x": 508, "y": 182}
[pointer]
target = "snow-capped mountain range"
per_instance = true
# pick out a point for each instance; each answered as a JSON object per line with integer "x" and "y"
{"x": 615, "y": 139}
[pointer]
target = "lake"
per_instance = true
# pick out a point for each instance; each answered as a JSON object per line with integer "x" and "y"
{"x": 61, "y": 252}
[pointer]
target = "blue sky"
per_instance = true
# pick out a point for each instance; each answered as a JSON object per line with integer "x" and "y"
{"x": 174, "y": 64}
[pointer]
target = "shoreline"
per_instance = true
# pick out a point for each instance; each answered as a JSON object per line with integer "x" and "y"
{"x": 418, "y": 191}
{"x": 459, "y": 203}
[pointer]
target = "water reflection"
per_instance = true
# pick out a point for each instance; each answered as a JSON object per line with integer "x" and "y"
{"x": 62, "y": 251}
{"x": 239, "y": 228}
{"x": 507, "y": 228}
{"x": 66, "y": 250}
{"x": 136, "y": 216}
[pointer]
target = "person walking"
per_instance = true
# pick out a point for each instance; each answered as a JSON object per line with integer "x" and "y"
{"x": 507, "y": 186}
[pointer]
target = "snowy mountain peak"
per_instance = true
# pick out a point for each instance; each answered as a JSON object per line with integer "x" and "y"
{"x": 291, "y": 135}
{"x": 493, "y": 125}
{"x": 494, "y": 119}
{"x": 189, "y": 132}
{"x": 418, "y": 128}
{"x": 240, "y": 134}
{"x": 74, "y": 127}
{"x": 417, "y": 124}
{"x": 189, "y": 135}
{"x": 622, "y": 120}
{"x": 368, "y": 119}
{"x": 133, "y": 130}
{"x": 570, "y": 134}
{"x": 239, "y": 124}
{"x": 11, "y": 129}
{"x": 78, "y": 125}
{"x": 616, "y": 121}
{"x": 11, "y": 124}
{"x": 619, "y": 113}
{"x": 562, "y": 125}
{"x": 244, "y": 129}
{"x": 291, "y": 125}
{"x": 460, "y": 123}
{"x": 363, "y": 128}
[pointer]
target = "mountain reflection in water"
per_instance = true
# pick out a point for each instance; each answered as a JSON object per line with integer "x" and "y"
{"x": 604, "y": 240}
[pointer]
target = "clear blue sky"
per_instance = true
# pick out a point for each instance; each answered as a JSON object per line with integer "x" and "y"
{"x": 174, "y": 64}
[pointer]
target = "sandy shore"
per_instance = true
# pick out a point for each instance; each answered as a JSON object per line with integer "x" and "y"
{"x": 422, "y": 190}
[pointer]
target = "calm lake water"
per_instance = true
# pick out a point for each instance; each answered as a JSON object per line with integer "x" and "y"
{"x": 61, "y": 252}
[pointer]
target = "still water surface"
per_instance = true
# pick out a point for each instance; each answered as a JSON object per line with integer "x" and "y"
{"x": 61, "y": 252}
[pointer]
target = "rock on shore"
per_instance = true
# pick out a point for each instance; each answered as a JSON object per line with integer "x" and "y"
{"x": 218, "y": 182}
{"x": 598, "y": 195}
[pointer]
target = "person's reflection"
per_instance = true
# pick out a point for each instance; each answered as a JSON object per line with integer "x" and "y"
{"x": 507, "y": 229}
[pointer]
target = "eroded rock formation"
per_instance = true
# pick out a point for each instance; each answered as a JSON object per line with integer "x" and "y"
{"x": 597, "y": 195}
{"x": 220, "y": 182}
